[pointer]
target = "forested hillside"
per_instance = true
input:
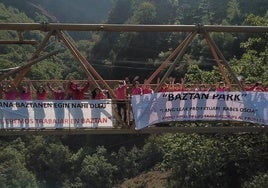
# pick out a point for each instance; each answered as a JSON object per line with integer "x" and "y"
{"x": 117, "y": 55}
{"x": 190, "y": 160}
{"x": 68, "y": 11}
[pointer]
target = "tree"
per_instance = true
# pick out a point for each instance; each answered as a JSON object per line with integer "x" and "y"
{"x": 214, "y": 161}
{"x": 97, "y": 171}
{"x": 253, "y": 63}
{"x": 233, "y": 12}
{"x": 48, "y": 160}
{"x": 257, "y": 181}
{"x": 207, "y": 14}
{"x": 13, "y": 167}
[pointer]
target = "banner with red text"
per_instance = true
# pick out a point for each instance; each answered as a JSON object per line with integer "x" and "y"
{"x": 155, "y": 108}
{"x": 55, "y": 114}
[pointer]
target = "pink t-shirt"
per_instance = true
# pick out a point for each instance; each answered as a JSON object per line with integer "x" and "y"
{"x": 100, "y": 96}
{"x": 258, "y": 88}
{"x": 25, "y": 96}
{"x": 10, "y": 95}
{"x": 221, "y": 89}
{"x": 136, "y": 91}
{"x": 121, "y": 92}
{"x": 147, "y": 91}
{"x": 78, "y": 94}
{"x": 41, "y": 96}
{"x": 59, "y": 95}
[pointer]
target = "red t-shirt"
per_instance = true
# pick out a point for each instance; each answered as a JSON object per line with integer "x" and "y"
{"x": 59, "y": 95}
{"x": 41, "y": 96}
{"x": 25, "y": 95}
{"x": 78, "y": 94}
{"x": 147, "y": 91}
{"x": 136, "y": 91}
{"x": 121, "y": 92}
{"x": 10, "y": 95}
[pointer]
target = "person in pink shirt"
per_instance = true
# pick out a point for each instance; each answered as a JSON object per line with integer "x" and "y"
{"x": 221, "y": 87}
{"x": 59, "y": 93}
{"x": 25, "y": 92}
{"x": 136, "y": 89}
{"x": 147, "y": 89}
{"x": 247, "y": 85}
{"x": 258, "y": 87}
{"x": 201, "y": 88}
{"x": 10, "y": 92}
{"x": 121, "y": 96}
{"x": 120, "y": 91}
{"x": 1, "y": 91}
{"x": 164, "y": 88}
{"x": 188, "y": 87}
{"x": 98, "y": 94}
{"x": 77, "y": 92}
{"x": 178, "y": 87}
{"x": 39, "y": 113}
{"x": 41, "y": 93}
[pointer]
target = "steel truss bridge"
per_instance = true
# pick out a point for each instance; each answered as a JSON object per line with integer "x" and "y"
{"x": 59, "y": 30}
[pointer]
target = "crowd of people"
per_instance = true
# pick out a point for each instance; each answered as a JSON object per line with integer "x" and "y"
{"x": 73, "y": 90}
{"x": 28, "y": 91}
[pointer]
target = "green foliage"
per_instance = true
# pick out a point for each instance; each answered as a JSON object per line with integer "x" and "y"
{"x": 40, "y": 71}
{"x": 195, "y": 75}
{"x": 222, "y": 161}
{"x": 195, "y": 160}
{"x": 233, "y": 12}
{"x": 144, "y": 14}
{"x": 253, "y": 63}
{"x": 152, "y": 154}
{"x": 13, "y": 170}
{"x": 12, "y": 15}
{"x": 258, "y": 181}
{"x": 48, "y": 160}
{"x": 97, "y": 171}
{"x": 206, "y": 13}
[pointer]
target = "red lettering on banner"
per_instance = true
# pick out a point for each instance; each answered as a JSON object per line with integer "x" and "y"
{"x": 94, "y": 120}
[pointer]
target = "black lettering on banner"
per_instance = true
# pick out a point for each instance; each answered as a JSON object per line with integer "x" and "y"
{"x": 227, "y": 97}
{"x": 187, "y": 96}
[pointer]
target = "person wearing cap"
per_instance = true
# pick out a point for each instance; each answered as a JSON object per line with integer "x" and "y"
{"x": 121, "y": 96}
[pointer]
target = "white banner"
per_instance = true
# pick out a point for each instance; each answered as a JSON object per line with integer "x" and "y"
{"x": 191, "y": 106}
{"x": 56, "y": 114}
